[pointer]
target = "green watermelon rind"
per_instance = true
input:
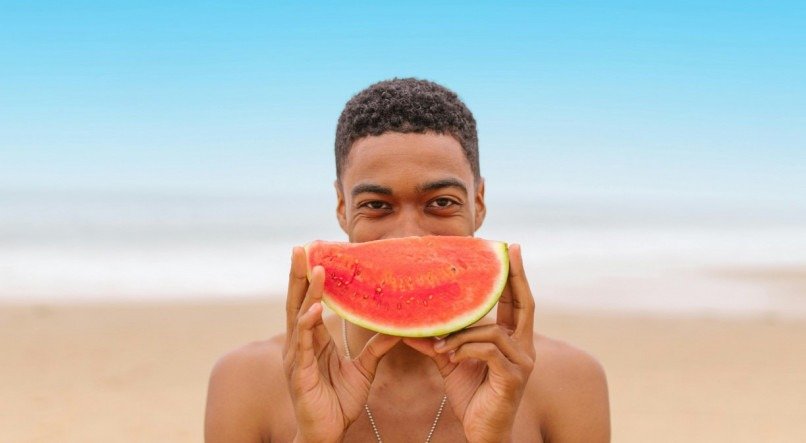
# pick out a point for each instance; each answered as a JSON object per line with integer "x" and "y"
{"x": 501, "y": 250}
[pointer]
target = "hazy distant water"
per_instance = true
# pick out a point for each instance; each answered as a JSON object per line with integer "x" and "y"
{"x": 113, "y": 245}
{"x": 579, "y": 252}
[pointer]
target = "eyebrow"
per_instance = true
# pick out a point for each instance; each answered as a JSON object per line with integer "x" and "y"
{"x": 440, "y": 184}
{"x": 371, "y": 188}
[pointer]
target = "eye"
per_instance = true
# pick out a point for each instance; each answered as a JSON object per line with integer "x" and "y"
{"x": 442, "y": 202}
{"x": 375, "y": 205}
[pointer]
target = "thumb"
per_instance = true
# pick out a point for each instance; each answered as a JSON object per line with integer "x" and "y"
{"x": 425, "y": 346}
{"x": 373, "y": 351}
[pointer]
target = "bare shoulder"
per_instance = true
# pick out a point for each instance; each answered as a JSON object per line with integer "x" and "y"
{"x": 250, "y": 363}
{"x": 564, "y": 363}
{"x": 246, "y": 387}
{"x": 569, "y": 387}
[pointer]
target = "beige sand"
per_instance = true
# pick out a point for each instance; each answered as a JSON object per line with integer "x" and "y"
{"x": 138, "y": 372}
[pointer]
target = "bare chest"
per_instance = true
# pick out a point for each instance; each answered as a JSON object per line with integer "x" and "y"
{"x": 396, "y": 424}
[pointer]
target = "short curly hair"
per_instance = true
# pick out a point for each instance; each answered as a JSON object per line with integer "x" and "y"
{"x": 406, "y": 105}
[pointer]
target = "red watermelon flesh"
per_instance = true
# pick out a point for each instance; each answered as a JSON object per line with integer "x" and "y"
{"x": 412, "y": 286}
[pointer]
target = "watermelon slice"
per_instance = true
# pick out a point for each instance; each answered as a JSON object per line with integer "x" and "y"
{"x": 413, "y": 286}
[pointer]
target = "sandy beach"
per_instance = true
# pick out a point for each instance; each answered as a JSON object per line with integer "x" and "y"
{"x": 138, "y": 372}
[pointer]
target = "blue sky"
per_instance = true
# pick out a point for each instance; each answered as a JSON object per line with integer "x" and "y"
{"x": 685, "y": 99}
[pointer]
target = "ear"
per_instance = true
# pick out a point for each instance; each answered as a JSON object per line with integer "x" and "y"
{"x": 481, "y": 208}
{"x": 340, "y": 206}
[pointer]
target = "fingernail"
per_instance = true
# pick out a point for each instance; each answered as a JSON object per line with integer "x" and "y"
{"x": 439, "y": 344}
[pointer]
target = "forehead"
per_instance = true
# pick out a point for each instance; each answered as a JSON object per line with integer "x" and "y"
{"x": 406, "y": 160}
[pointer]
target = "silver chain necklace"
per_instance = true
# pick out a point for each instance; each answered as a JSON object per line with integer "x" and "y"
{"x": 366, "y": 406}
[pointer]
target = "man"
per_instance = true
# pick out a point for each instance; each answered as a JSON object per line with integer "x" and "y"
{"x": 407, "y": 164}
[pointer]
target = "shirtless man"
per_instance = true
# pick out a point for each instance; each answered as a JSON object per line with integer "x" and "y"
{"x": 407, "y": 164}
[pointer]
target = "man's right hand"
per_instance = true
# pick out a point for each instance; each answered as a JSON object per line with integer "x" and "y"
{"x": 328, "y": 390}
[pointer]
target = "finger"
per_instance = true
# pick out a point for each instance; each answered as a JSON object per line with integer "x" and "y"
{"x": 505, "y": 315}
{"x": 426, "y": 346}
{"x": 297, "y": 286}
{"x": 523, "y": 303}
{"x": 321, "y": 336}
{"x": 422, "y": 345}
{"x": 486, "y": 352}
{"x": 315, "y": 288}
{"x": 305, "y": 349}
{"x": 373, "y": 351}
{"x": 493, "y": 334}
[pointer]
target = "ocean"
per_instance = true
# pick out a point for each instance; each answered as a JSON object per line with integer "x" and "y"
{"x": 591, "y": 253}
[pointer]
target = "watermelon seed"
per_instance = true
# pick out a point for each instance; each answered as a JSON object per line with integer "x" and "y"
{"x": 399, "y": 306}
{"x": 355, "y": 272}
{"x": 366, "y": 296}
{"x": 453, "y": 269}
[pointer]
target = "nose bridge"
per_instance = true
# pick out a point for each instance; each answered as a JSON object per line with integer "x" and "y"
{"x": 410, "y": 222}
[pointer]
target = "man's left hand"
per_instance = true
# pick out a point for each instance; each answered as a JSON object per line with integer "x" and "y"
{"x": 486, "y": 367}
